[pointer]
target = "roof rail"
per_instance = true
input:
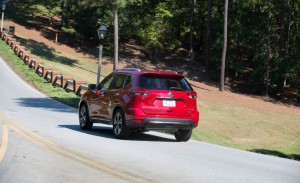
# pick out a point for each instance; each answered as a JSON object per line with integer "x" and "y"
{"x": 128, "y": 69}
{"x": 170, "y": 71}
{"x": 158, "y": 70}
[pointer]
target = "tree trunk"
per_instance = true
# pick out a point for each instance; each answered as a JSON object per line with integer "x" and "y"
{"x": 116, "y": 39}
{"x": 207, "y": 42}
{"x": 64, "y": 20}
{"x": 191, "y": 52}
{"x": 222, "y": 77}
{"x": 281, "y": 42}
{"x": 268, "y": 50}
{"x": 282, "y": 38}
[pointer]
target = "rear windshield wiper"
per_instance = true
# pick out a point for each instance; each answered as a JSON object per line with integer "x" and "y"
{"x": 177, "y": 88}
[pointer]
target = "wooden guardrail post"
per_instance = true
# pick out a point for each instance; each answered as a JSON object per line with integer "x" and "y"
{"x": 64, "y": 81}
{"x": 58, "y": 81}
{"x": 70, "y": 85}
{"x": 39, "y": 69}
{"x": 77, "y": 85}
{"x": 54, "y": 75}
{"x": 48, "y": 75}
{"x": 24, "y": 55}
{"x": 15, "y": 46}
{"x": 21, "y": 52}
{"x": 51, "y": 75}
{"x": 83, "y": 89}
{"x": 18, "y": 49}
{"x": 8, "y": 38}
{"x": 2, "y": 34}
{"x": 28, "y": 59}
{"x": 34, "y": 63}
{"x": 45, "y": 69}
{"x": 11, "y": 41}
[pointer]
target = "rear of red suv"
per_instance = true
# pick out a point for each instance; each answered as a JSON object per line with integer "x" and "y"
{"x": 163, "y": 101}
{"x": 154, "y": 100}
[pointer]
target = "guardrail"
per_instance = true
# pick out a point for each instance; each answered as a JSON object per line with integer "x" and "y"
{"x": 56, "y": 78}
{"x": 82, "y": 90}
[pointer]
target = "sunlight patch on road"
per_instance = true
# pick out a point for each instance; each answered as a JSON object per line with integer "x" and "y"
{"x": 4, "y": 142}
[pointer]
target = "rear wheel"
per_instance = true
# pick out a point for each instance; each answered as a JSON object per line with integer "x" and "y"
{"x": 119, "y": 127}
{"x": 183, "y": 135}
{"x": 84, "y": 120}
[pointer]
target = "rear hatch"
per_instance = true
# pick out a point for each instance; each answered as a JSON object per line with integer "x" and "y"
{"x": 167, "y": 95}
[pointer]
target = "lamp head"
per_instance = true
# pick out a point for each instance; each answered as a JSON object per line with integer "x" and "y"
{"x": 3, "y": 7}
{"x": 102, "y": 32}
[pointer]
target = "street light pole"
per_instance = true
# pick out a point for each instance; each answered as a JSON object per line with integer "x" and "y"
{"x": 101, "y": 33}
{"x": 99, "y": 63}
{"x": 3, "y": 8}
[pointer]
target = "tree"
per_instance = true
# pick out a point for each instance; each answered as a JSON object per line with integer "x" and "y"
{"x": 192, "y": 9}
{"x": 268, "y": 50}
{"x": 207, "y": 41}
{"x": 47, "y": 8}
{"x": 114, "y": 6}
{"x": 116, "y": 40}
{"x": 222, "y": 77}
{"x": 261, "y": 57}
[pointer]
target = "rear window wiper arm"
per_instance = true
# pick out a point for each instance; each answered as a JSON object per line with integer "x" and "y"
{"x": 176, "y": 88}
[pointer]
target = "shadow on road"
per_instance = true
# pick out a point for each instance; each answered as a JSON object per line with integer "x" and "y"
{"x": 44, "y": 103}
{"x": 106, "y": 132}
{"x": 277, "y": 153}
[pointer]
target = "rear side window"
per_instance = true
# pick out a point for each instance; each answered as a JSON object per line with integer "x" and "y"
{"x": 161, "y": 82}
{"x": 120, "y": 81}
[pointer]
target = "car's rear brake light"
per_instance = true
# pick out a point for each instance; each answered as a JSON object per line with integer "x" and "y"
{"x": 192, "y": 94}
{"x": 140, "y": 92}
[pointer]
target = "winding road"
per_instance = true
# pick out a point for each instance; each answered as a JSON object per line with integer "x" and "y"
{"x": 41, "y": 142}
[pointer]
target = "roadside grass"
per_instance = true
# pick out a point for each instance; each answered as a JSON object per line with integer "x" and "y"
{"x": 248, "y": 129}
{"x": 68, "y": 66}
{"x": 223, "y": 124}
{"x": 38, "y": 82}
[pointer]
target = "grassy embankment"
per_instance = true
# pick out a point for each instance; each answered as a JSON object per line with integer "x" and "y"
{"x": 30, "y": 76}
{"x": 232, "y": 126}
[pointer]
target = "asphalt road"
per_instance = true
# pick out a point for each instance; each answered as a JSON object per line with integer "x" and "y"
{"x": 41, "y": 142}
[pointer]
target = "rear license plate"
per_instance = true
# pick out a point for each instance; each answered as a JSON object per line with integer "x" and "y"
{"x": 169, "y": 103}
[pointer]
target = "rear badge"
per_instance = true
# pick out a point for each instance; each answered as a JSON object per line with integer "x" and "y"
{"x": 170, "y": 94}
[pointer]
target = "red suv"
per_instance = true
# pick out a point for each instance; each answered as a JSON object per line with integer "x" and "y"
{"x": 136, "y": 101}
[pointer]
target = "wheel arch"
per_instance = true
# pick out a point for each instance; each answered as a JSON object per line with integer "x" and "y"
{"x": 118, "y": 107}
{"x": 83, "y": 102}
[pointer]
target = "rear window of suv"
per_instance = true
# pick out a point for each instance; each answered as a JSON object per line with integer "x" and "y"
{"x": 164, "y": 82}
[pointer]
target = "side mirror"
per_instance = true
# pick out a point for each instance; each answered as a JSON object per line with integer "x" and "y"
{"x": 91, "y": 86}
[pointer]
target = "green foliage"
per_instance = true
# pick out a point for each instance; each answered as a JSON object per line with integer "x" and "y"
{"x": 163, "y": 26}
{"x": 35, "y": 8}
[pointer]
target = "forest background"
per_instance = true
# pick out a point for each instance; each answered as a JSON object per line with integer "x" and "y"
{"x": 263, "y": 48}
{"x": 186, "y": 36}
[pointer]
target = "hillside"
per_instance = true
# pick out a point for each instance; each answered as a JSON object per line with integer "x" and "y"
{"x": 207, "y": 93}
{"x": 247, "y": 122}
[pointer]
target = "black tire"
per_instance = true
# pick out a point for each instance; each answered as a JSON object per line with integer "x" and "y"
{"x": 183, "y": 135}
{"x": 84, "y": 119}
{"x": 119, "y": 127}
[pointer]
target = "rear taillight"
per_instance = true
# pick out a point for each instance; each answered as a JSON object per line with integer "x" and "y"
{"x": 140, "y": 92}
{"x": 192, "y": 94}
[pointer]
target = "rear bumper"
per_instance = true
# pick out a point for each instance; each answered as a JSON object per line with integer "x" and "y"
{"x": 163, "y": 124}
